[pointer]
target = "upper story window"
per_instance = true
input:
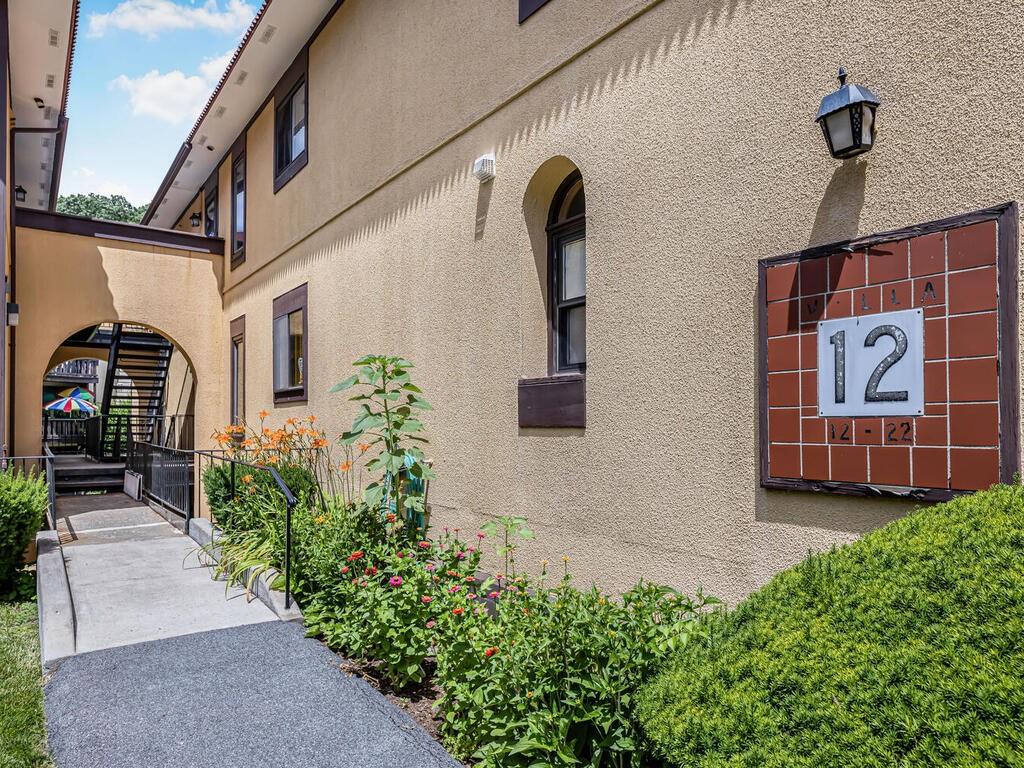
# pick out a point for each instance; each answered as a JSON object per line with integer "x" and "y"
{"x": 529, "y": 7}
{"x": 567, "y": 266}
{"x": 210, "y": 213}
{"x": 290, "y": 346}
{"x": 238, "y": 222}
{"x": 291, "y": 116}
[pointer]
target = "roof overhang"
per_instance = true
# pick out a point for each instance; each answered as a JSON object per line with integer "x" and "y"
{"x": 273, "y": 40}
{"x": 42, "y": 44}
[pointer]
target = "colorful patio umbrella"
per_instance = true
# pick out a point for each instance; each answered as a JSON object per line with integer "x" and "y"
{"x": 69, "y": 404}
{"x": 78, "y": 393}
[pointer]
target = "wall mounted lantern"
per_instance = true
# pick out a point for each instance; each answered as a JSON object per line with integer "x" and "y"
{"x": 13, "y": 314}
{"x": 847, "y": 118}
{"x": 195, "y": 220}
{"x": 20, "y": 193}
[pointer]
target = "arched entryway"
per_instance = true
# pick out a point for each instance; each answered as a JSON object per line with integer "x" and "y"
{"x": 109, "y": 386}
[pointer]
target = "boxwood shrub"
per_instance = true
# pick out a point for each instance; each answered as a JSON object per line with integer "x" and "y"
{"x": 23, "y": 502}
{"x": 905, "y": 648}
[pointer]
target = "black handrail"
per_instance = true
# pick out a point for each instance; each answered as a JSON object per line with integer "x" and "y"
{"x": 167, "y": 475}
{"x": 290, "y": 502}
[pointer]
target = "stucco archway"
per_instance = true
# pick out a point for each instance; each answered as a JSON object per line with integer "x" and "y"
{"x": 69, "y": 282}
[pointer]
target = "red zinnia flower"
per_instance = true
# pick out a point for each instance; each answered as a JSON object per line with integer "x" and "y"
{"x": 426, "y": 599}
{"x": 424, "y": 545}
{"x": 371, "y": 571}
{"x": 470, "y": 579}
{"x": 344, "y": 569}
{"x": 355, "y": 555}
{"x": 490, "y": 651}
{"x": 390, "y": 517}
{"x": 458, "y": 611}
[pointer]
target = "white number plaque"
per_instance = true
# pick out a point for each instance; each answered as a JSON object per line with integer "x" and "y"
{"x": 872, "y": 365}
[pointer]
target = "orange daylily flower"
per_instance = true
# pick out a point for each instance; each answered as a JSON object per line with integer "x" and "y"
{"x": 247, "y": 479}
{"x": 263, "y": 414}
{"x": 345, "y": 466}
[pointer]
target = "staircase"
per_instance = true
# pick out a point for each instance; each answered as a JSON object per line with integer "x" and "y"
{"x": 135, "y": 390}
{"x": 78, "y": 474}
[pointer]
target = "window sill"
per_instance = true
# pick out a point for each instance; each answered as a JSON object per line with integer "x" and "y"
{"x": 238, "y": 259}
{"x": 553, "y": 401}
{"x": 290, "y": 396}
{"x": 290, "y": 171}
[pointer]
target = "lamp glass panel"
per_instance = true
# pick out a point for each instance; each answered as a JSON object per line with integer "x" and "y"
{"x": 867, "y": 125}
{"x": 298, "y": 127}
{"x": 840, "y": 130}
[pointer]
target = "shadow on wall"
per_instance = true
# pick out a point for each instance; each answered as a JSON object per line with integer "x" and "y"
{"x": 684, "y": 24}
{"x": 838, "y": 215}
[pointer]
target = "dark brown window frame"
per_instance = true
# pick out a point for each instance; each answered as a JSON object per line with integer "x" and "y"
{"x": 295, "y": 299}
{"x": 238, "y": 160}
{"x": 237, "y": 371}
{"x": 210, "y": 195}
{"x": 559, "y": 232}
{"x": 296, "y": 77}
{"x": 529, "y": 7}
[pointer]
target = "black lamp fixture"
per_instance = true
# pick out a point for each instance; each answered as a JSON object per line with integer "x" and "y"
{"x": 847, "y": 118}
{"x": 195, "y": 220}
{"x": 20, "y": 193}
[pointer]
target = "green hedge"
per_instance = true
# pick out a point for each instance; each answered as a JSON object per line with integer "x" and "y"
{"x": 903, "y": 649}
{"x": 23, "y": 502}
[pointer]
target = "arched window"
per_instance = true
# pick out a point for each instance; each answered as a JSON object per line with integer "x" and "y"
{"x": 567, "y": 276}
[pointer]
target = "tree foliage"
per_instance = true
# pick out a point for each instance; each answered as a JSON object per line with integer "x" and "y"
{"x": 902, "y": 649}
{"x": 94, "y": 206}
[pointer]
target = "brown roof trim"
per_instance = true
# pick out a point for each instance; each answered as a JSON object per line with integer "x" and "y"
{"x": 116, "y": 230}
{"x": 62, "y": 121}
{"x": 231, "y": 65}
{"x": 172, "y": 172}
{"x": 150, "y": 212}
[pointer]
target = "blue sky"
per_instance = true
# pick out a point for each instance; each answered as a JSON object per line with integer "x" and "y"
{"x": 143, "y": 71}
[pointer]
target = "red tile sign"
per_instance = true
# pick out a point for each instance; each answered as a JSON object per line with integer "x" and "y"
{"x": 961, "y": 275}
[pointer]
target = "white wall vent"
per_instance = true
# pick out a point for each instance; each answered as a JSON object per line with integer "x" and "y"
{"x": 201, "y": 140}
{"x": 51, "y": 80}
{"x": 219, "y": 111}
{"x": 484, "y": 168}
{"x": 48, "y": 113}
{"x": 242, "y": 77}
{"x": 54, "y": 37}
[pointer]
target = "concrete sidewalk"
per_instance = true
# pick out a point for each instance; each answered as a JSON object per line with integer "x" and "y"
{"x": 134, "y": 577}
{"x": 171, "y": 670}
{"x": 257, "y": 695}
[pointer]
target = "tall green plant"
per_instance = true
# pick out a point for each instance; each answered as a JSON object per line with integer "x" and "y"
{"x": 388, "y": 418}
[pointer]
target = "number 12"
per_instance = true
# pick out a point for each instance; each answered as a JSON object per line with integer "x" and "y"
{"x": 871, "y": 393}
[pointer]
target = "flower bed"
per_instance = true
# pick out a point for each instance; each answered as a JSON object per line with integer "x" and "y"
{"x": 532, "y": 670}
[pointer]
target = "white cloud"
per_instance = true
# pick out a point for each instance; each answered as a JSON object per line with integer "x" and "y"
{"x": 84, "y": 172}
{"x": 173, "y": 97}
{"x": 150, "y": 17}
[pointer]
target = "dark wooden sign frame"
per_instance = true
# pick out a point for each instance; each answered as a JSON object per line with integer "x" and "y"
{"x": 1006, "y": 217}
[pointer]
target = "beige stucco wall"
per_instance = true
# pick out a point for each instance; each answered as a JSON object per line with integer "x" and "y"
{"x": 692, "y": 126}
{"x": 69, "y": 282}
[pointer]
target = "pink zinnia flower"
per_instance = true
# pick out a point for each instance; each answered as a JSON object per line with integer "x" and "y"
{"x": 471, "y": 595}
{"x": 400, "y": 554}
{"x": 395, "y": 581}
{"x": 454, "y": 589}
{"x": 460, "y": 555}
{"x": 430, "y": 566}
{"x": 424, "y": 545}
{"x": 426, "y": 599}
{"x": 493, "y": 595}
{"x": 431, "y": 624}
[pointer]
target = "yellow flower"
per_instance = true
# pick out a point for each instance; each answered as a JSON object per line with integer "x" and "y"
{"x": 319, "y": 519}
